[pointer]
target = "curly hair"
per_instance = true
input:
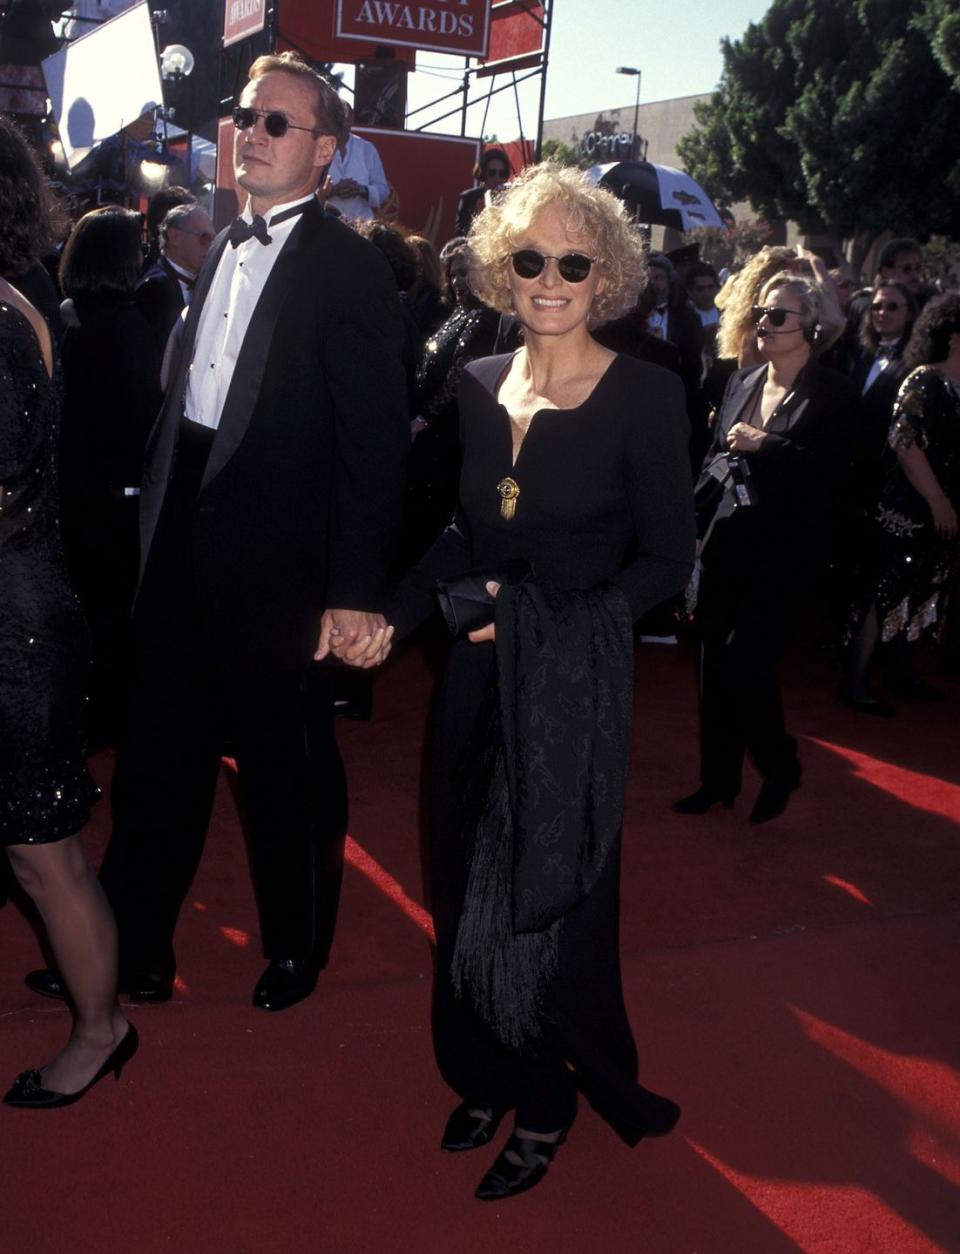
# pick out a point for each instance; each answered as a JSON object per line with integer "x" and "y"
{"x": 617, "y": 246}
{"x": 102, "y": 256}
{"x": 930, "y": 341}
{"x": 740, "y": 294}
{"x": 25, "y": 227}
{"x": 868, "y": 332}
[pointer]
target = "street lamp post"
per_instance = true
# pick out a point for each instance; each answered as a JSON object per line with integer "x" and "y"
{"x": 634, "y": 72}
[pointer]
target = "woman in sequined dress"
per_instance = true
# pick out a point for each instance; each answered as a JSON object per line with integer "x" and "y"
{"x": 45, "y": 789}
{"x": 912, "y": 560}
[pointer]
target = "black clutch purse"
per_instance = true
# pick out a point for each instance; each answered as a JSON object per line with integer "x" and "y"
{"x": 464, "y": 600}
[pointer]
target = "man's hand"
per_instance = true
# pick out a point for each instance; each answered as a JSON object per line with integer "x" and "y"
{"x": 482, "y": 634}
{"x": 742, "y": 438}
{"x": 356, "y": 637}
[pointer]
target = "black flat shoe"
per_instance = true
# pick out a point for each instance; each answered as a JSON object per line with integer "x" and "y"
{"x": 774, "y": 795}
{"x": 285, "y": 982}
{"x": 466, "y": 1131}
{"x": 507, "y": 1178}
{"x": 700, "y": 802}
{"x": 142, "y": 986}
{"x": 28, "y": 1090}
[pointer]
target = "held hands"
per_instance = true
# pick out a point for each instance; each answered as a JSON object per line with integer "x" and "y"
{"x": 482, "y": 634}
{"x": 944, "y": 517}
{"x": 356, "y": 637}
{"x": 742, "y": 438}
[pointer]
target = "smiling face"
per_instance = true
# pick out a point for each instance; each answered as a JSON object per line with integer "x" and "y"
{"x": 889, "y": 322}
{"x": 277, "y": 171}
{"x": 549, "y": 304}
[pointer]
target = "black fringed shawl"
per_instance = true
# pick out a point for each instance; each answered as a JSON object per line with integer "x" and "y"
{"x": 544, "y": 777}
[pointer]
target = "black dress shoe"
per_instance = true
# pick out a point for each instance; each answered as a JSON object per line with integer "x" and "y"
{"x": 700, "y": 802}
{"x": 865, "y": 704}
{"x": 141, "y": 986}
{"x": 774, "y": 795}
{"x": 507, "y": 1178}
{"x": 285, "y": 982}
{"x": 466, "y": 1131}
{"x": 28, "y": 1091}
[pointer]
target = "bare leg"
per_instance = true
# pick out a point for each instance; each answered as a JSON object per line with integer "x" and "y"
{"x": 83, "y": 937}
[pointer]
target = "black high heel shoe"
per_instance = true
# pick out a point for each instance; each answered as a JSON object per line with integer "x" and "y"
{"x": 700, "y": 802}
{"x": 28, "y": 1090}
{"x": 467, "y": 1131}
{"x": 507, "y": 1178}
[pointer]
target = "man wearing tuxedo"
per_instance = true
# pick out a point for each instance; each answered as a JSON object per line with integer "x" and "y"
{"x": 186, "y": 234}
{"x": 273, "y": 485}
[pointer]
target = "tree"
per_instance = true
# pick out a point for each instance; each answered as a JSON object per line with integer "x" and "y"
{"x": 563, "y": 154}
{"x": 839, "y": 115}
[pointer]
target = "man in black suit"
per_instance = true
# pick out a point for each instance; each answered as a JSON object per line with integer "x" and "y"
{"x": 186, "y": 234}
{"x": 273, "y": 485}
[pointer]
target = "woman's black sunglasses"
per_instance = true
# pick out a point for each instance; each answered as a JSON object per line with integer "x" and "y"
{"x": 573, "y": 267}
{"x": 886, "y": 306}
{"x": 776, "y": 317}
{"x": 275, "y": 124}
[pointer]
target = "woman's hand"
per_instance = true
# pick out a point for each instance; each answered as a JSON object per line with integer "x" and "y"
{"x": 482, "y": 634}
{"x": 742, "y": 438}
{"x": 944, "y": 517}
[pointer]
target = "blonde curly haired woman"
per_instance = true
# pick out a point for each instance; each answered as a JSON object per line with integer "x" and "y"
{"x": 575, "y": 461}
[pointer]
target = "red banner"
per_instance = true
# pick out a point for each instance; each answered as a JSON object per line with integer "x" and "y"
{"x": 242, "y": 18}
{"x": 455, "y": 26}
{"x": 516, "y": 37}
{"x": 306, "y": 26}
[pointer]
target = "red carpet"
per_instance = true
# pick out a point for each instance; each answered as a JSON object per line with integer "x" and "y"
{"x": 794, "y": 986}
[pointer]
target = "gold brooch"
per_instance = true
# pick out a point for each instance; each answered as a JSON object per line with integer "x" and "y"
{"x": 509, "y": 491}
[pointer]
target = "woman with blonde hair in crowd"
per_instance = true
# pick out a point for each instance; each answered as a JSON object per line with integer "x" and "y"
{"x": 574, "y": 519}
{"x": 736, "y": 338}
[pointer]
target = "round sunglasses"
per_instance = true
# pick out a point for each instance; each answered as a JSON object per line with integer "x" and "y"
{"x": 573, "y": 267}
{"x": 776, "y": 317}
{"x": 275, "y": 124}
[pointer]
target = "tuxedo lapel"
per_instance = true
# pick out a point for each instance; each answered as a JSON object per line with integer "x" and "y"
{"x": 255, "y": 351}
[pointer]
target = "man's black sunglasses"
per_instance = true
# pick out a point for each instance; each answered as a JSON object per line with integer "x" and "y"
{"x": 275, "y": 124}
{"x": 573, "y": 267}
{"x": 776, "y": 317}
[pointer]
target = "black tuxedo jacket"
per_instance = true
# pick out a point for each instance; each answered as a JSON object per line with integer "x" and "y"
{"x": 160, "y": 299}
{"x": 301, "y": 496}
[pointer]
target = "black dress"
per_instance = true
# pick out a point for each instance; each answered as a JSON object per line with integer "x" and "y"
{"x": 605, "y": 496}
{"x": 45, "y": 789}
{"x": 909, "y": 568}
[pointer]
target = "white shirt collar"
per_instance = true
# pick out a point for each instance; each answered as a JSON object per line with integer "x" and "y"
{"x": 247, "y": 214}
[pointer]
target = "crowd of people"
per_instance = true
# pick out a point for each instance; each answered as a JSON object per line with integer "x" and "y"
{"x": 293, "y": 444}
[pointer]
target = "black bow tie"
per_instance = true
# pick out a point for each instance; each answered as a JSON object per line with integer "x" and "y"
{"x": 241, "y": 230}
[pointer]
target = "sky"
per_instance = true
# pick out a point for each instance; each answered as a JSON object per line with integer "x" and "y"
{"x": 676, "y": 46}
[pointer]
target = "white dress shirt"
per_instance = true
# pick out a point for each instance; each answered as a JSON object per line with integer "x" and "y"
{"x": 886, "y": 352}
{"x": 231, "y": 300}
{"x": 361, "y": 162}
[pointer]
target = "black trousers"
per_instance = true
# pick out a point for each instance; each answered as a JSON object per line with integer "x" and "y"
{"x": 746, "y": 617}
{"x": 184, "y": 710}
